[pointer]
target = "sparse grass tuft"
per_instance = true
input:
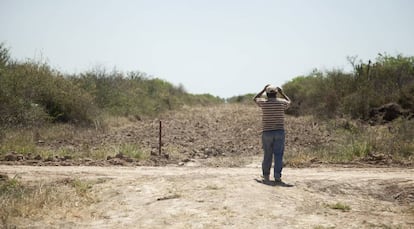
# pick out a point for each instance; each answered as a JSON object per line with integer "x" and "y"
{"x": 133, "y": 151}
{"x": 322, "y": 227}
{"x": 297, "y": 159}
{"x": 81, "y": 187}
{"x": 213, "y": 187}
{"x": 340, "y": 206}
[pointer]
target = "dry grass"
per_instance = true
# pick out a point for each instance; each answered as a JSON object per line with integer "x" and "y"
{"x": 349, "y": 141}
{"x": 132, "y": 151}
{"x": 339, "y": 206}
{"x": 322, "y": 227}
{"x": 22, "y": 201}
{"x": 20, "y": 140}
{"x": 61, "y": 140}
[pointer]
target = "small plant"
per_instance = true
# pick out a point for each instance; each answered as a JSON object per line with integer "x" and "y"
{"x": 81, "y": 187}
{"x": 356, "y": 149}
{"x": 322, "y": 227}
{"x": 133, "y": 151}
{"x": 11, "y": 187}
{"x": 212, "y": 187}
{"x": 340, "y": 206}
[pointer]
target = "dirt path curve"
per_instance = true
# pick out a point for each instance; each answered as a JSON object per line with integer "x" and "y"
{"x": 199, "y": 197}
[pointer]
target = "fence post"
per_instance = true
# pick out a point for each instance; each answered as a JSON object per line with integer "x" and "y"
{"x": 159, "y": 138}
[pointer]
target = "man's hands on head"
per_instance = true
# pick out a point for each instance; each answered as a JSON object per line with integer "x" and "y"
{"x": 279, "y": 90}
{"x": 260, "y": 93}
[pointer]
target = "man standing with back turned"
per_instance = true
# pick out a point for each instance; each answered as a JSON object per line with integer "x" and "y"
{"x": 273, "y": 135}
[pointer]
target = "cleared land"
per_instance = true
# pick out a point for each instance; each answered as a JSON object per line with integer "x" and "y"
{"x": 200, "y": 197}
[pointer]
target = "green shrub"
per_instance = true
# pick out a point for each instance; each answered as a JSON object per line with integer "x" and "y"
{"x": 334, "y": 93}
{"x": 32, "y": 92}
{"x": 133, "y": 151}
{"x": 406, "y": 98}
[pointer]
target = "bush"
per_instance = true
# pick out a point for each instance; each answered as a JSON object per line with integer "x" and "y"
{"x": 31, "y": 93}
{"x": 407, "y": 97}
{"x": 334, "y": 93}
{"x": 245, "y": 99}
{"x": 16, "y": 107}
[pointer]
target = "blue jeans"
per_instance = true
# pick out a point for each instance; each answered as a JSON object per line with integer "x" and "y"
{"x": 273, "y": 144}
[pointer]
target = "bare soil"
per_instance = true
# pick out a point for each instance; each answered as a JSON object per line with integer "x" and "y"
{"x": 202, "y": 197}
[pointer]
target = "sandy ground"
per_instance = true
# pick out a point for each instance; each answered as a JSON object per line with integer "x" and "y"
{"x": 201, "y": 197}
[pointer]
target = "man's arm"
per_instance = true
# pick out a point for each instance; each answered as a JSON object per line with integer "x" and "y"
{"x": 260, "y": 93}
{"x": 283, "y": 94}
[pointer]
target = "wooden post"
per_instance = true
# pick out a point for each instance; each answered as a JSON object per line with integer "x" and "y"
{"x": 159, "y": 139}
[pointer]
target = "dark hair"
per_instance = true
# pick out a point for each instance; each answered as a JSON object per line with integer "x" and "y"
{"x": 271, "y": 94}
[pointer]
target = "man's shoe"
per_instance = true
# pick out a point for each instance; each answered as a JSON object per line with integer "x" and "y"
{"x": 278, "y": 180}
{"x": 266, "y": 179}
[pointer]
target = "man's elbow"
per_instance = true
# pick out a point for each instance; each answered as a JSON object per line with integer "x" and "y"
{"x": 288, "y": 103}
{"x": 256, "y": 101}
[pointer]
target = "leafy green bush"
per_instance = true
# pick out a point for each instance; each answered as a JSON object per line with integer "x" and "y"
{"x": 15, "y": 107}
{"x": 333, "y": 93}
{"x": 32, "y": 93}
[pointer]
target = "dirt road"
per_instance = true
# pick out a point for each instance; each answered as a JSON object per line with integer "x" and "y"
{"x": 200, "y": 197}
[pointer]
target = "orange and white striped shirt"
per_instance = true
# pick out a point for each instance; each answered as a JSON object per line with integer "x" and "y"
{"x": 273, "y": 113}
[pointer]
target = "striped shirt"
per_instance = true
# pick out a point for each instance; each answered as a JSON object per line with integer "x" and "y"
{"x": 273, "y": 113}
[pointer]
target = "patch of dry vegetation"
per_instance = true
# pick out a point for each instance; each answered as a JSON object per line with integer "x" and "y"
{"x": 345, "y": 141}
{"x": 339, "y": 206}
{"x": 22, "y": 200}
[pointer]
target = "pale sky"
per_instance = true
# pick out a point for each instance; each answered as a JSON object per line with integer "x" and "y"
{"x": 221, "y": 47}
